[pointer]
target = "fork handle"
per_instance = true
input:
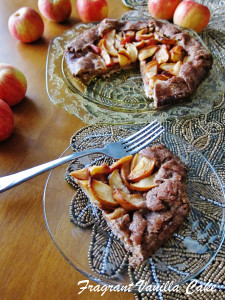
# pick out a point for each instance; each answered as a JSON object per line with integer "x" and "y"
{"x": 9, "y": 181}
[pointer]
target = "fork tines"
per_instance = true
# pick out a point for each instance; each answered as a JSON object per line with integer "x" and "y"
{"x": 143, "y": 137}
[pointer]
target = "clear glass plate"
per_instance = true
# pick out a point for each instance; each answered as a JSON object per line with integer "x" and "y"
{"x": 120, "y": 98}
{"x": 83, "y": 238}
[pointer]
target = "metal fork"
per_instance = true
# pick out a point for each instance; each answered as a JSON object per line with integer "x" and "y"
{"x": 129, "y": 145}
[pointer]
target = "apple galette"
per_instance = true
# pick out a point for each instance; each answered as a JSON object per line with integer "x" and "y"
{"x": 142, "y": 197}
{"x": 172, "y": 63}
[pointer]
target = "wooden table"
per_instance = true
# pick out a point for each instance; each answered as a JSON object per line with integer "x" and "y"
{"x": 31, "y": 266}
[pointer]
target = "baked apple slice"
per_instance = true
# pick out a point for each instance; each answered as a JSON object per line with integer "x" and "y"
{"x": 151, "y": 41}
{"x": 158, "y": 78}
{"x": 134, "y": 161}
{"x": 105, "y": 55}
{"x": 118, "y": 41}
{"x": 84, "y": 184}
{"x": 110, "y": 43}
{"x": 177, "y": 53}
{"x": 117, "y": 164}
{"x": 151, "y": 69}
{"x": 124, "y": 172}
{"x": 127, "y": 201}
{"x": 117, "y": 213}
{"x": 166, "y": 66}
{"x": 143, "y": 34}
{"x": 142, "y": 169}
{"x": 139, "y": 45}
{"x": 102, "y": 44}
{"x": 115, "y": 181}
{"x": 172, "y": 68}
{"x": 176, "y": 69}
{"x": 167, "y": 41}
{"x": 162, "y": 55}
{"x": 147, "y": 52}
{"x": 129, "y": 37}
{"x": 130, "y": 33}
{"x": 115, "y": 60}
{"x": 164, "y": 40}
{"x": 124, "y": 57}
{"x": 132, "y": 51}
{"x": 102, "y": 169}
{"x": 82, "y": 174}
{"x": 103, "y": 193}
{"x": 144, "y": 184}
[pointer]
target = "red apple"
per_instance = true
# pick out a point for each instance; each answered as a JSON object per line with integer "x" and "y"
{"x": 92, "y": 10}
{"x": 55, "y": 10}
{"x": 26, "y": 25}
{"x": 192, "y": 15}
{"x": 163, "y": 9}
{"x": 6, "y": 120}
{"x": 13, "y": 84}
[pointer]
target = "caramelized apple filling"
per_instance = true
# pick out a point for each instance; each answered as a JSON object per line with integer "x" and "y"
{"x": 157, "y": 54}
{"x": 142, "y": 197}
{"x": 160, "y": 57}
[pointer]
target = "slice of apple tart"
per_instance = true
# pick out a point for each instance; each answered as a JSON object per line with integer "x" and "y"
{"x": 142, "y": 197}
{"x": 172, "y": 62}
